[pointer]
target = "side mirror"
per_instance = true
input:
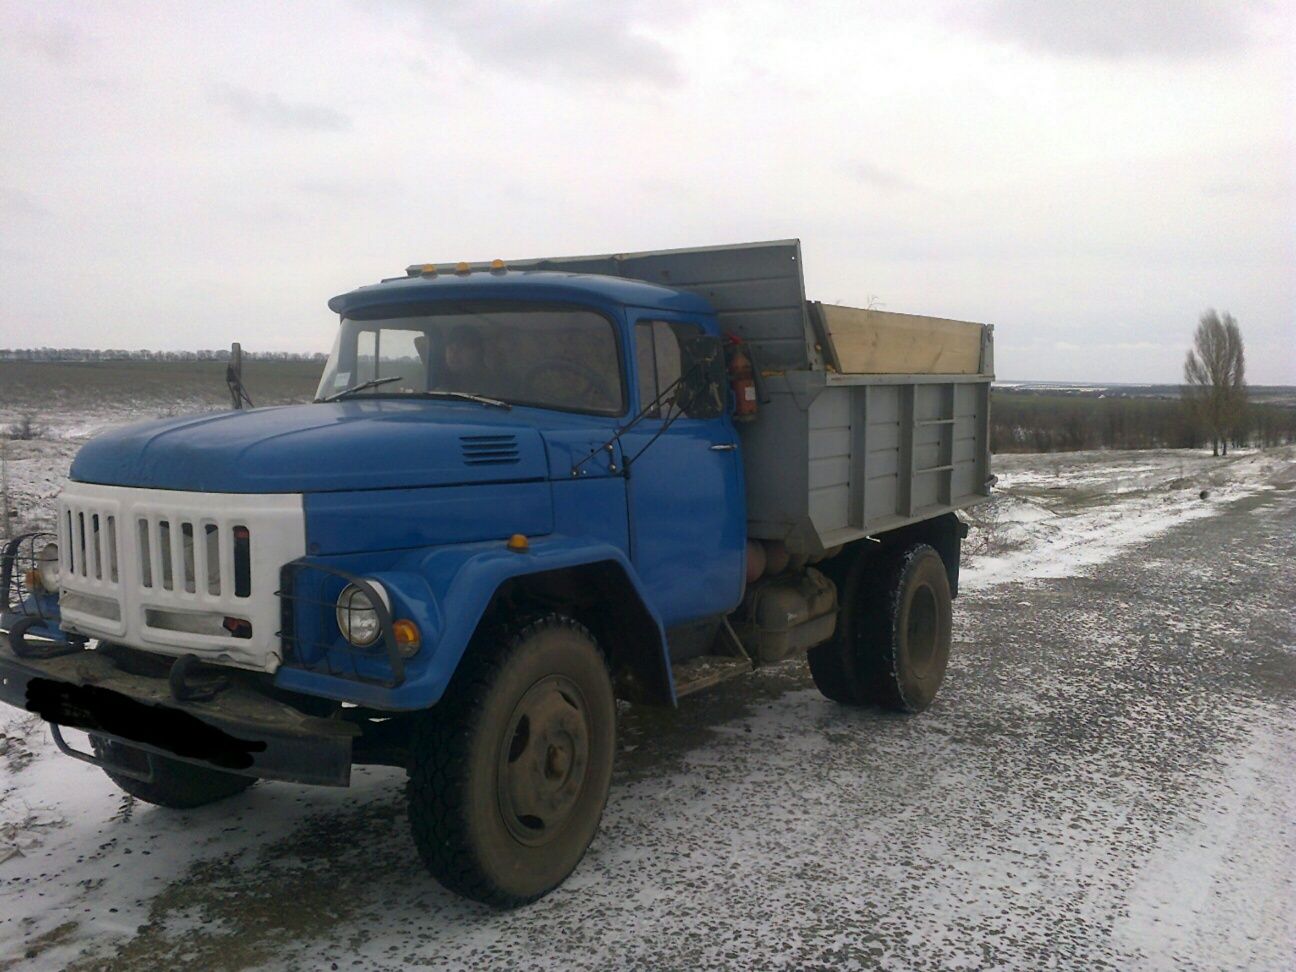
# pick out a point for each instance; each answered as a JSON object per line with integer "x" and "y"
{"x": 234, "y": 377}
{"x": 701, "y": 392}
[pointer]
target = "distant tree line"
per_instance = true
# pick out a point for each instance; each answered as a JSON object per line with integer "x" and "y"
{"x": 1023, "y": 421}
{"x": 115, "y": 354}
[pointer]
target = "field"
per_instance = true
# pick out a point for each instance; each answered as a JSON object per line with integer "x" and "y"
{"x": 65, "y": 402}
{"x": 69, "y": 399}
{"x": 1105, "y": 780}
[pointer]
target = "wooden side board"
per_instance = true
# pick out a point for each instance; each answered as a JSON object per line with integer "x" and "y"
{"x": 871, "y": 342}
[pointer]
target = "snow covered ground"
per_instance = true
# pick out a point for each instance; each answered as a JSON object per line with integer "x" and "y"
{"x": 1055, "y": 514}
{"x": 1106, "y": 782}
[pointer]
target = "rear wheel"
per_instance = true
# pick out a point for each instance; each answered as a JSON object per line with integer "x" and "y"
{"x": 180, "y": 786}
{"x": 510, "y": 772}
{"x": 893, "y": 640}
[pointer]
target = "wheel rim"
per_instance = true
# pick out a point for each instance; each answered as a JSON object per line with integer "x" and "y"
{"x": 922, "y": 630}
{"x": 544, "y": 760}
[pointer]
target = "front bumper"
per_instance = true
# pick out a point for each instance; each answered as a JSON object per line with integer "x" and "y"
{"x": 239, "y": 730}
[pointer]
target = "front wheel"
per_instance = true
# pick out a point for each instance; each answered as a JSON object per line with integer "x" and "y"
{"x": 510, "y": 772}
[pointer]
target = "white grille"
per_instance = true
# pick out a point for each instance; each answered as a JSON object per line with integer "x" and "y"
{"x": 192, "y": 555}
{"x": 88, "y": 544}
{"x": 178, "y": 572}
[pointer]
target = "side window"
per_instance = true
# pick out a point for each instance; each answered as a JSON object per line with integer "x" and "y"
{"x": 646, "y": 365}
{"x": 666, "y": 339}
{"x": 657, "y": 354}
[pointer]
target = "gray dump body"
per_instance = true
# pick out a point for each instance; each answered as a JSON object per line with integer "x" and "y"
{"x": 832, "y": 456}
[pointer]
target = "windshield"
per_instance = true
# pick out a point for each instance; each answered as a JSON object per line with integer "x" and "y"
{"x": 550, "y": 357}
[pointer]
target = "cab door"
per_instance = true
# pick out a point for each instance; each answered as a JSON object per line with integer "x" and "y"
{"x": 687, "y": 509}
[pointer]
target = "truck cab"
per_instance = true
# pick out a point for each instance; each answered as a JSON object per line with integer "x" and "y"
{"x": 522, "y": 491}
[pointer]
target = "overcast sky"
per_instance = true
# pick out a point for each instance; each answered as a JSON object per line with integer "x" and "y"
{"x": 1087, "y": 176}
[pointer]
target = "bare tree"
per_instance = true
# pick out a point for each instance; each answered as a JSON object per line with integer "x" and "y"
{"x": 1215, "y": 377}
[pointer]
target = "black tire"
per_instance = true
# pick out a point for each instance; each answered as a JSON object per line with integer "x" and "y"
{"x": 893, "y": 639}
{"x": 510, "y": 772}
{"x": 177, "y": 785}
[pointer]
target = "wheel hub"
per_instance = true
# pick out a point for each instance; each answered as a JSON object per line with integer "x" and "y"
{"x": 543, "y": 760}
{"x": 922, "y": 630}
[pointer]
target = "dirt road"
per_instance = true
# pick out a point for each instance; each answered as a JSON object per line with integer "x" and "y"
{"x": 1107, "y": 781}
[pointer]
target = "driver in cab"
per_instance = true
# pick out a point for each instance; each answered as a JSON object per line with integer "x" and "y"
{"x": 467, "y": 364}
{"x": 464, "y": 368}
{"x": 461, "y": 366}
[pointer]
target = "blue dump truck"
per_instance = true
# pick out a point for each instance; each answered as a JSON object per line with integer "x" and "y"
{"x": 524, "y": 491}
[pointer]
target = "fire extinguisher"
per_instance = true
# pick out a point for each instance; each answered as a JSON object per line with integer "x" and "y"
{"x": 742, "y": 379}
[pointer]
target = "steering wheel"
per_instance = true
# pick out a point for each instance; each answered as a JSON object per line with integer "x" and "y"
{"x": 583, "y": 384}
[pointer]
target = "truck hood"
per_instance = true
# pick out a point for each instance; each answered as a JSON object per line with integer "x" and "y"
{"x": 373, "y": 444}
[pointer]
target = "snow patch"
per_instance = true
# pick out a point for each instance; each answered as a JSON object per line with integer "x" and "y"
{"x": 1057, "y": 515}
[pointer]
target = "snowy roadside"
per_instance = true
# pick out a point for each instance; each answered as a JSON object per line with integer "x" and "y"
{"x": 36, "y": 468}
{"x": 1055, "y": 515}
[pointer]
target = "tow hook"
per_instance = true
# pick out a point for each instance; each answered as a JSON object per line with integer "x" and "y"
{"x": 188, "y": 684}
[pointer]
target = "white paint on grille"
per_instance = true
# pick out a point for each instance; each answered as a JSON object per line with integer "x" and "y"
{"x": 163, "y": 553}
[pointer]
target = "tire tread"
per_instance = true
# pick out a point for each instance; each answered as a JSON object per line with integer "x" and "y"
{"x": 861, "y": 665}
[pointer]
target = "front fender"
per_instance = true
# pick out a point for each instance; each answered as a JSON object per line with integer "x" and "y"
{"x": 446, "y": 590}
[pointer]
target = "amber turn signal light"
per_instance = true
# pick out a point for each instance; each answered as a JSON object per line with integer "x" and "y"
{"x": 408, "y": 641}
{"x": 518, "y": 543}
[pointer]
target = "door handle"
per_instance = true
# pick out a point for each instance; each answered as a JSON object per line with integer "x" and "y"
{"x": 724, "y": 447}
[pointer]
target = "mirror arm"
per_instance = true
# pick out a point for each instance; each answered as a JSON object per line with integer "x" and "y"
{"x": 234, "y": 378}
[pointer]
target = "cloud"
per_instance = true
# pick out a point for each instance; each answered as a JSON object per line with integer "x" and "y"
{"x": 1173, "y": 29}
{"x": 1228, "y": 187}
{"x": 569, "y": 40}
{"x": 268, "y": 110}
{"x": 877, "y": 177}
{"x": 16, "y": 202}
{"x": 1112, "y": 346}
{"x": 345, "y": 191}
{"x": 57, "y": 42}
{"x": 330, "y": 188}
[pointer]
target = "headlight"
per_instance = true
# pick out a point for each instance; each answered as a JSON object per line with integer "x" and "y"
{"x": 47, "y": 566}
{"x": 356, "y": 617}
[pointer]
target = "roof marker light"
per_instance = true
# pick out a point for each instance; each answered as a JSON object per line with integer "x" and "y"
{"x": 428, "y": 270}
{"x": 463, "y": 267}
{"x": 498, "y": 265}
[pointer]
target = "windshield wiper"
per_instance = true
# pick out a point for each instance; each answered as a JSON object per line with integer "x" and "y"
{"x": 467, "y": 397}
{"x": 371, "y": 383}
{"x": 459, "y": 395}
